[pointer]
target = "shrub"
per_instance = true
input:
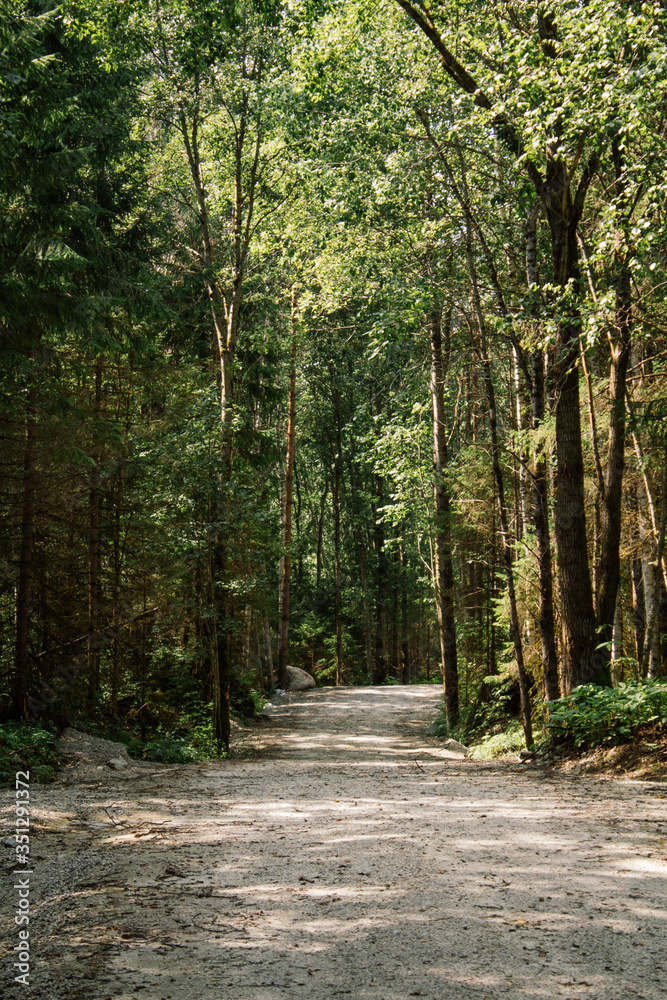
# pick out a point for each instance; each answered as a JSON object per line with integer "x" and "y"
{"x": 511, "y": 740}
{"x": 27, "y": 746}
{"x": 196, "y": 743}
{"x": 593, "y": 715}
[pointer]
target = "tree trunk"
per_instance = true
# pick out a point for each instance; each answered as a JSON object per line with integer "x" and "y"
{"x": 395, "y": 653}
{"x": 405, "y": 657}
{"x": 117, "y": 568}
{"x": 286, "y": 561}
{"x": 368, "y": 628}
{"x": 564, "y": 211}
{"x": 381, "y": 606}
{"x": 320, "y": 535}
{"x": 617, "y": 642}
{"x": 638, "y": 616}
{"x": 620, "y": 342}
{"x": 124, "y": 381}
{"x": 247, "y": 631}
{"x": 224, "y": 310}
{"x": 336, "y": 514}
{"x": 515, "y": 627}
{"x": 94, "y": 546}
{"x": 579, "y": 663}
{"x": 652, "y": 658}
{"x": 23, "y": 591}
{"x": 540, "y": 489}
{"x": 268, "y": 652}
{"x": 220, "y": 658}
{"x": 540, "y": 502}
{"x": 443, "y": 569}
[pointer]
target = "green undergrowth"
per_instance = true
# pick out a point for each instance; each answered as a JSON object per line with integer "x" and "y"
{"x": 593, "y": 716}
{"x": 26, "y": 746}
{"x": 198, "y": 745}
{"x": 510, "y": 740}
{"x": 191, "y": 739}
{"x": 488, "y": 725}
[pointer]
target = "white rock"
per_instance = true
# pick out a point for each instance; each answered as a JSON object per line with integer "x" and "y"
{"x": 116, "y": 763}
{"x": 455, "y": 746}
{"x": 299, "y": 680}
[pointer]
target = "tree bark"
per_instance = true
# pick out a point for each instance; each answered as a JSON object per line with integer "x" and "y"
{"x": 620, "y": 343}
{"x": 23, "y": 591}
{"x": 443, "y": 567}
{"x": 268, "y": 652}
{"x": 224, "y": 310}
{"x": 652, "y": 659}
{"x": 286, "y": 561}
{"x": 515, "y": 626}
{"x": 579, "y": 662}
{"x": 220, "y": 659}
{"x": 337, "y": 568}
{"x": 540, "y": 504}
{"x": 368, "y": 628}
{"x": 617, "y": 642}
{"x": 381, "y": 605}
{"x": 638, "y": 616}
{"x": 540, "y": 489}
{"x": 405, "y": 646}
{"x": 117, "y": 558}
{"x": 320, "y": 534}
{"x": 94, "y": 545}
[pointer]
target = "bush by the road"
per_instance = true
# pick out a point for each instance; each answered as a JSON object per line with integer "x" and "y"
{"x": 591, "y": 716}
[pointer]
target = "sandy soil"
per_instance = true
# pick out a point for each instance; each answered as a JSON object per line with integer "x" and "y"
{"x": 342, "y": 852}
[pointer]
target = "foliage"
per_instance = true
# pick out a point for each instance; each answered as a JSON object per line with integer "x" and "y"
{"x": 197, "y": 743}
{"x": 592, "y": 715}
{"x": 111, "y": 509}
{"x": 30, "y": 747}
{"x": 510, "y": 740}
{"x": 182, "y": 738}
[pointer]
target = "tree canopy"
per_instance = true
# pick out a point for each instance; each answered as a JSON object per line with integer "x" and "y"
{"x": 333, "y": 334}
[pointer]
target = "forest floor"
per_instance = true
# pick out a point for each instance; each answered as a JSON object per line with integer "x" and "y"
{"x": 342, "y": 852}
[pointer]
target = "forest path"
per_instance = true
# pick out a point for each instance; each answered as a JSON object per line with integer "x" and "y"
{"x": 341, "y": 852}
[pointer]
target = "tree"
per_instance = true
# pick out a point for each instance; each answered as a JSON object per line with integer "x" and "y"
{"x": 214, "y": 71}
{"x": 539, "y": 68}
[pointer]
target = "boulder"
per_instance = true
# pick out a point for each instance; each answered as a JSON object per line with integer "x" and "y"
{"x": 299, "y": 680}
{"x": 455, "y": 746}
{"x": 90, "y": 751}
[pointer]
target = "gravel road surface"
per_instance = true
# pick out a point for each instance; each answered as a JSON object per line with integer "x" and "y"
{"x": 342, "y": 852}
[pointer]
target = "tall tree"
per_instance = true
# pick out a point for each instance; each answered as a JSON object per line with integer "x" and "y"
{"x": 286, "y": 557}
{"x": 443, "y": 568}
{"x": 551, "y": 43}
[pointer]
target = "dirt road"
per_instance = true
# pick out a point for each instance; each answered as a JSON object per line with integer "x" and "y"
{"x": 342, "y": 852}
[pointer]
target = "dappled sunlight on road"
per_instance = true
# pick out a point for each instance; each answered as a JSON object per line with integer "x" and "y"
{"x": 339, "y": 855}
